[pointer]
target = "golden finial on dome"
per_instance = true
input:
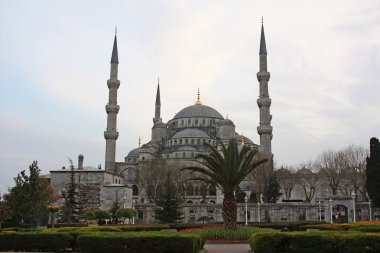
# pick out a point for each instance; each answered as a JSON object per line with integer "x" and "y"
{"x": 198, "y": 102}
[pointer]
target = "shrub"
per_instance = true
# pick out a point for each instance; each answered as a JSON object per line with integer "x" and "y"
{"x": 315, "y": 242}
{"x": 6, "y": 240}
{"x": 60, "y": 225}
{"x": 34, "y": 241}
{"x": 274, "y": 242}
{"x": 142, "y": 227}
{"x": 359, "y": 243}
{"x": 139, "y": 243}
{"x": 219, "y": 233}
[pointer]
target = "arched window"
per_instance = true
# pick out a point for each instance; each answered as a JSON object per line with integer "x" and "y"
{"x": 203, "y": 190}
{"x": 212, "y": 190}
{"x": 189, "y": 190}
{"x": 186, "y": 141}
{"x": 180, "y": 141}
{"x": 199, "y": 141}
{"x": 196, "y": 191}
{"x": 135, "y": 190}
{"x": 184, "y": 154}
{"x": 188, "y": 122}
{"x": 182, "y": 190}
{"x": 192, "y": 141}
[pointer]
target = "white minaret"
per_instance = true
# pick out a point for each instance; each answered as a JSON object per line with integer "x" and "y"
{"x": 112, "y": 109}
{"x": 264, "y": 129}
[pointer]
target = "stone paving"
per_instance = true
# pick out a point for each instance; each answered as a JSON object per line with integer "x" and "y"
{"x": 227, "y": 248}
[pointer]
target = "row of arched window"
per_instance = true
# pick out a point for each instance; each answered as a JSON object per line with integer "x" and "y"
{"x": 189, "y": 141}
{"x": 187, "y": 190}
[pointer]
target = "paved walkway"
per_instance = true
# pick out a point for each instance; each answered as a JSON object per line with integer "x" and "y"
{"x": 227, "y": 248}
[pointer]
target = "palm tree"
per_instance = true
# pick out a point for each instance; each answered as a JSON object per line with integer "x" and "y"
{"x": 226, "y": 170}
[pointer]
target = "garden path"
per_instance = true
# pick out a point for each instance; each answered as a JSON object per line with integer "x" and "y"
{"x": 227, "y": 248}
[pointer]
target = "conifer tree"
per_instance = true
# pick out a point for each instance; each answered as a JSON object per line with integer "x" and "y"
{"x": 373, "y": 172}
{"x": 168, "y": 203}
{"x": 70, "y": 195}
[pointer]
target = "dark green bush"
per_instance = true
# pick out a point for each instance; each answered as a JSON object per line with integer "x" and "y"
{"x": 312, "y": 243}
{"x": 359, "y": 243}
{"x": 272, "y": 242}
{"x": 315, "y": 242}
{"x": 34, "y": 241}
{"x": 288, "y": 226}
{"x": 133, "y": 228}
{"x": 139, "y": 243}
{"x": 6, "y": 240}
{"x": 60, "y": 225}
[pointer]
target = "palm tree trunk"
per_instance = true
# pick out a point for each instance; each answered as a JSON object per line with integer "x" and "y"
{"x": 229, "y": 211}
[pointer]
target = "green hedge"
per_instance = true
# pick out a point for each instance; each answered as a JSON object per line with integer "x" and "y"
{"x": 315, "y": 242}
{"x": 139, "y": 243}
{"x": 289, "y": 226}
{"x": 34, "y": 241}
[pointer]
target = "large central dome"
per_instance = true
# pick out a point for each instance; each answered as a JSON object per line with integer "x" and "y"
{"x": 201, "y": 111}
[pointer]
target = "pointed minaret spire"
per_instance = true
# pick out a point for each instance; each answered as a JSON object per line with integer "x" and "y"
{"x": 112, "y": 108}
{"x": 198, "y": 102}
{"x": 263, "y": 46}
{"x": 157, "y": 111}
{"x": 139, "y": 142}
{"x": 264, "y": 129}
{"x": 115, "y": 57}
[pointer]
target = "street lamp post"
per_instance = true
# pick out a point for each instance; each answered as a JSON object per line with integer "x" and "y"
{"x": 331, "y": 214}
{"x": 353, "y": 204}
{"x": 319, "y": 210}
{"x": 258, "y": 212}
{"x": 370, "y": 209}
{"x": 246, "y": 209}
{"x": 133, "y": 208}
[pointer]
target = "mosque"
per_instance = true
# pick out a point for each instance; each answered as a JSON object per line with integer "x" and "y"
{"x": 177, "y": 142}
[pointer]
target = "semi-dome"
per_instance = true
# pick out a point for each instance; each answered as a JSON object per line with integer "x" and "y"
{"x": 195, "y": 111}
{"x": 134, "y": 152}
{"x": 190, "y": 133}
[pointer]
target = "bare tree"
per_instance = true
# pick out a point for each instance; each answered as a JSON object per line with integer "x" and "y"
{"x": 308, "y": 179}
{"x": 151, "y": 175}
{"x": 331, "y": 169}
{"x": 352, "y": 161}
{"x": 287, "y": 179}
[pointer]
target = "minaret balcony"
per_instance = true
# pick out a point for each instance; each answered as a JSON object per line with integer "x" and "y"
{"x": 264, "y": 102}
{"x": 263, "y": 76}
{"x": 111, "y": 135}
{"x": 113, "y": 84}
{"x": 112, "y": 108}
{"x": 264, "y": 129}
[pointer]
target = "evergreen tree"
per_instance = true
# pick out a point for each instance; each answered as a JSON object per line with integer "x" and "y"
{"x": 28, "y": 200}
{"x": 70, "y": 195}
{"x": 168, "y": 203}
{"x": 273, "y": 189}
{"x": 373, "y": 172}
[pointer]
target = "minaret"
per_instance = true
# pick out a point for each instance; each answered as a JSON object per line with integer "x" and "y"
{"x": 264, "y": 102}
{"x": 157, "y": 111}
{"x": 112, "y": 109}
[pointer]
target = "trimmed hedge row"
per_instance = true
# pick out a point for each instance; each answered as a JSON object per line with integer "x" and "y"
{"x": 288, "y": 226}
{"x": 33, "y": 241}
{"x": 313, "y": 242}
{"x": 139, "y": 243}
{"x": 363, "y": 226}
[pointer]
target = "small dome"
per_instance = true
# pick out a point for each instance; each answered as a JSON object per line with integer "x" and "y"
{"x": 227, "y": 122}
{"x": 246, "y": 140}
{"x": 195, "y": 111}
{"x": 190, "y": 133}
{"x": 134, "y": 152}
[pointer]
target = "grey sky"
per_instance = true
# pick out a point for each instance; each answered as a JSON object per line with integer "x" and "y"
{"x": 54, "y": 62}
